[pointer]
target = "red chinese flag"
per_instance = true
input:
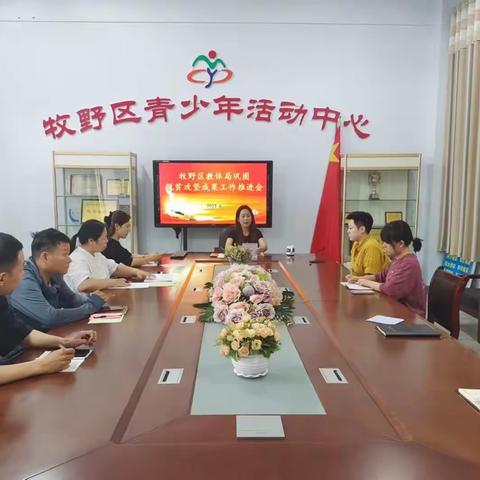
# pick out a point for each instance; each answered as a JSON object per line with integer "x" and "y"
{"x": 326, "y": 236}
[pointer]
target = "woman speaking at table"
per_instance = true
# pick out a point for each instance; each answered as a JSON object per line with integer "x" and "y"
{"x": 245, "y": 230}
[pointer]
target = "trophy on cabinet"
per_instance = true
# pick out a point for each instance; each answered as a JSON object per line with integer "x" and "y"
{"x": 374, "y": 178}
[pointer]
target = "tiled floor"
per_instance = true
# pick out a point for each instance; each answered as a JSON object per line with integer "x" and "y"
{"x": 468, "y": 331}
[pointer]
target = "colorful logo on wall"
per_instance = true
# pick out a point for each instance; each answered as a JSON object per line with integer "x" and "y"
{"x": 211, "y": 74}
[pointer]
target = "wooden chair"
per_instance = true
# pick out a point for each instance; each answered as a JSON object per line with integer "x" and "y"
{"x": 444, "y": 299}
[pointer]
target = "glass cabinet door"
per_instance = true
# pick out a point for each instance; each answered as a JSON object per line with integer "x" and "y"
{"x": 93, "y": 191}
{"x": 387, "y": 192}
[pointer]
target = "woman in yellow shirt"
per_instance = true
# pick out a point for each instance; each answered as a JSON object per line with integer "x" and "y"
{"x": 368, "y": 256}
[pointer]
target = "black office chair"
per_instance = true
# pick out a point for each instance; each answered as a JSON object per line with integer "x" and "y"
{"x": 222, "y": 239}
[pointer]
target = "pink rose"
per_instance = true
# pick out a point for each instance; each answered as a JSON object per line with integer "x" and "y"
{"x": 220, "y": 312}
{"x": 256, "y": 298}
{"x": 265, "y": 310}
{"x": 231, "y": 293}
{"x": 243, "y": 352}
{"x": 262, "y": 286}
{"x": 267, "y": 298}
{"x": 220, "y": 279}
{"x": 234, "y": 316}
{"x": 239, "y": 306}
{"x": 236, "y": 279}
{"x": 217, "y": 294}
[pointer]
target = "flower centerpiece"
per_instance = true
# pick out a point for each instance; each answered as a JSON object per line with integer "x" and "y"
{"x": 238, "y": 254}
{"x": 245, "y": 292}
{"x": 249, "y": 344}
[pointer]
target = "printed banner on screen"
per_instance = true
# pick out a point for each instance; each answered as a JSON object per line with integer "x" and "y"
{"x": 209, "y": 193}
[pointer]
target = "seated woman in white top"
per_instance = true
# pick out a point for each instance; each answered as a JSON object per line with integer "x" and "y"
{"x": 89, "y": 269}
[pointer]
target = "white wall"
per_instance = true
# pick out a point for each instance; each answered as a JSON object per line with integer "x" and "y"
{"x": 386, "y": 59}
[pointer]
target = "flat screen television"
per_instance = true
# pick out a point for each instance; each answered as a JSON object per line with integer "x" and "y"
{"x": 189, "y": 193}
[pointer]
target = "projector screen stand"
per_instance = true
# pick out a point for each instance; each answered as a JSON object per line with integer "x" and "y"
{"x": 183, "y": 252}
{"x": 184, "y": 239}
{"x": 183, "y": 232}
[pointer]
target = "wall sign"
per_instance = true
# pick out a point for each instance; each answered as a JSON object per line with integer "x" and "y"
{"x": 457, "y": 265}
{"x": 160, "y": 109}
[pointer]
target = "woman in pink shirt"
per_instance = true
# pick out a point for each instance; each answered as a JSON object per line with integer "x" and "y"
{"x": 403, "y": 279}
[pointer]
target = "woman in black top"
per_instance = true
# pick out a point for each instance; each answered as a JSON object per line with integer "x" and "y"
{"x": 245, "y": 230}
{"x": 118, "y": 227}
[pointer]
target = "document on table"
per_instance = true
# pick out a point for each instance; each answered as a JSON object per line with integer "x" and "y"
{"x": 74, "y": 364}
{"x": 385, "y": 320}
{"x": 131, "y": 285}
{"x": 160, "y": 277}
{"x": 354, "y": 286}
{"x": 471, "y": 395}
{"x": 260, "y": 426}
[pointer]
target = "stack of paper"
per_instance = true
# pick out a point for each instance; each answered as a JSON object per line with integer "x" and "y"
{"x": 385, "y": 320}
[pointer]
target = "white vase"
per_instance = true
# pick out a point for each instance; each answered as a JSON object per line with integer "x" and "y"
{"x": 251, "y": 367}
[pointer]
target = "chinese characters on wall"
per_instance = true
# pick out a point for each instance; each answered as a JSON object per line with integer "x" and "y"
{"x": 162, "y": 109}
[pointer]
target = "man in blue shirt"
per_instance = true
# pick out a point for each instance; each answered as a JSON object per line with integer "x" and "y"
{"x": 14, "y": 333}
{"x": 43, "y": 300}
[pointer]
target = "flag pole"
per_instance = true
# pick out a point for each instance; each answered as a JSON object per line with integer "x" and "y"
{"x": 343, "y": 159}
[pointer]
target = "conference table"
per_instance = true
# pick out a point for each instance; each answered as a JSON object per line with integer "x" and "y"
{"x": 398, "y": 417}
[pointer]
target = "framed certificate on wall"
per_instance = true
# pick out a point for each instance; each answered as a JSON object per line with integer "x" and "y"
{"x": 393, "y": 216}
{"x": 114, "y": 186}
{"x": 85, "y": 184}
{"x": 97, "y": 209}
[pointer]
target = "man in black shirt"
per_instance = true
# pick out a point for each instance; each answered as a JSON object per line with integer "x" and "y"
{"x": 13, "y": 332}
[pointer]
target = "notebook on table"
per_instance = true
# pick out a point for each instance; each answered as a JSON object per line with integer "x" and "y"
{"x": 106, "y": 316}
{"x": 179, "y": 255}
{"x": 355, "y": 289}
{"x": 408, "y": 330}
